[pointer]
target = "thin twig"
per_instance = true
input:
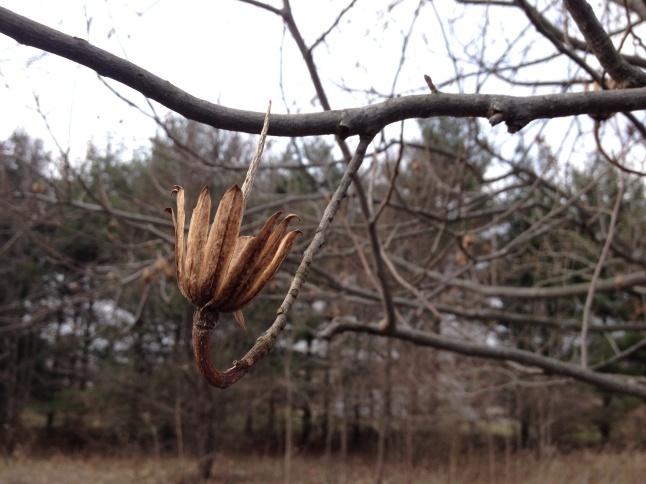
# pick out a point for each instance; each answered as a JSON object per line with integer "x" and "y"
{"x": 585, "y": 323}
{"x": 610, "y": 159}
{"x": 617, "y": 383}
{"x": 620, "y": 355}
{"x": 251, "y": 172}
{"x": 266, "y": 342}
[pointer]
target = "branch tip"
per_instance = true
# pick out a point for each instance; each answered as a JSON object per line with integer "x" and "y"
{"x": 429, "y": 83}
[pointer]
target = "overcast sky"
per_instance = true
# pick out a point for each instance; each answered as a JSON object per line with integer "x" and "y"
{"x": 222, "y": 51}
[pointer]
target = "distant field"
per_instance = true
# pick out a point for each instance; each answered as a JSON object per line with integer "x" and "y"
{"x": 578, "y": 467}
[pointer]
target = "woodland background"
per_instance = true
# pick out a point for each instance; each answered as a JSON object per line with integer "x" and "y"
{"x": 477, "y": 294}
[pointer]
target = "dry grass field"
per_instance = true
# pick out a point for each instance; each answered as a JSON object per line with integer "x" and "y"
{"x": 578, "y": 467}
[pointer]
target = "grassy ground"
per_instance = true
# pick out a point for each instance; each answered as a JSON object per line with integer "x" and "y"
{"x": 578, "y": 467}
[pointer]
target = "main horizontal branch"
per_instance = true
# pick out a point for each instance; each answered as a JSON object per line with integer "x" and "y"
{"x": 516, "y": 112}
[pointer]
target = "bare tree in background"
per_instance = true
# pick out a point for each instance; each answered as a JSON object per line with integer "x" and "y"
{"x": 525, "y": 249}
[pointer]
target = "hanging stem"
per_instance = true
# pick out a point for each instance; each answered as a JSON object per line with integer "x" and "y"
{"x": 204, "y": 322}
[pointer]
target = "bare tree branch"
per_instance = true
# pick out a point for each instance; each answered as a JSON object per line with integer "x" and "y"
{"x": 617, "y": 383}
{"x": 585, "y": 321}
{"x": 516, "y": 112}
{"x": 623, "y": 73}
{"x": 266, "y": 342}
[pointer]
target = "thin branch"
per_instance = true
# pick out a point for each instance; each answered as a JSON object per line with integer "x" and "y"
{"x": 621, "y": 355}
{"x": 266, "y": 342}
{"x": 611, "y": 159}
{"x": 333, "y": 26}
{"x": 585, "y": 323}
{"x": 389, "y": 310}
{"x": 262, "y": 5}
{"x": 393, "y": 178}
{"x": 478, "y": 314}
{"x": 616, "y": 383}
{"x": 402, "y": 56}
